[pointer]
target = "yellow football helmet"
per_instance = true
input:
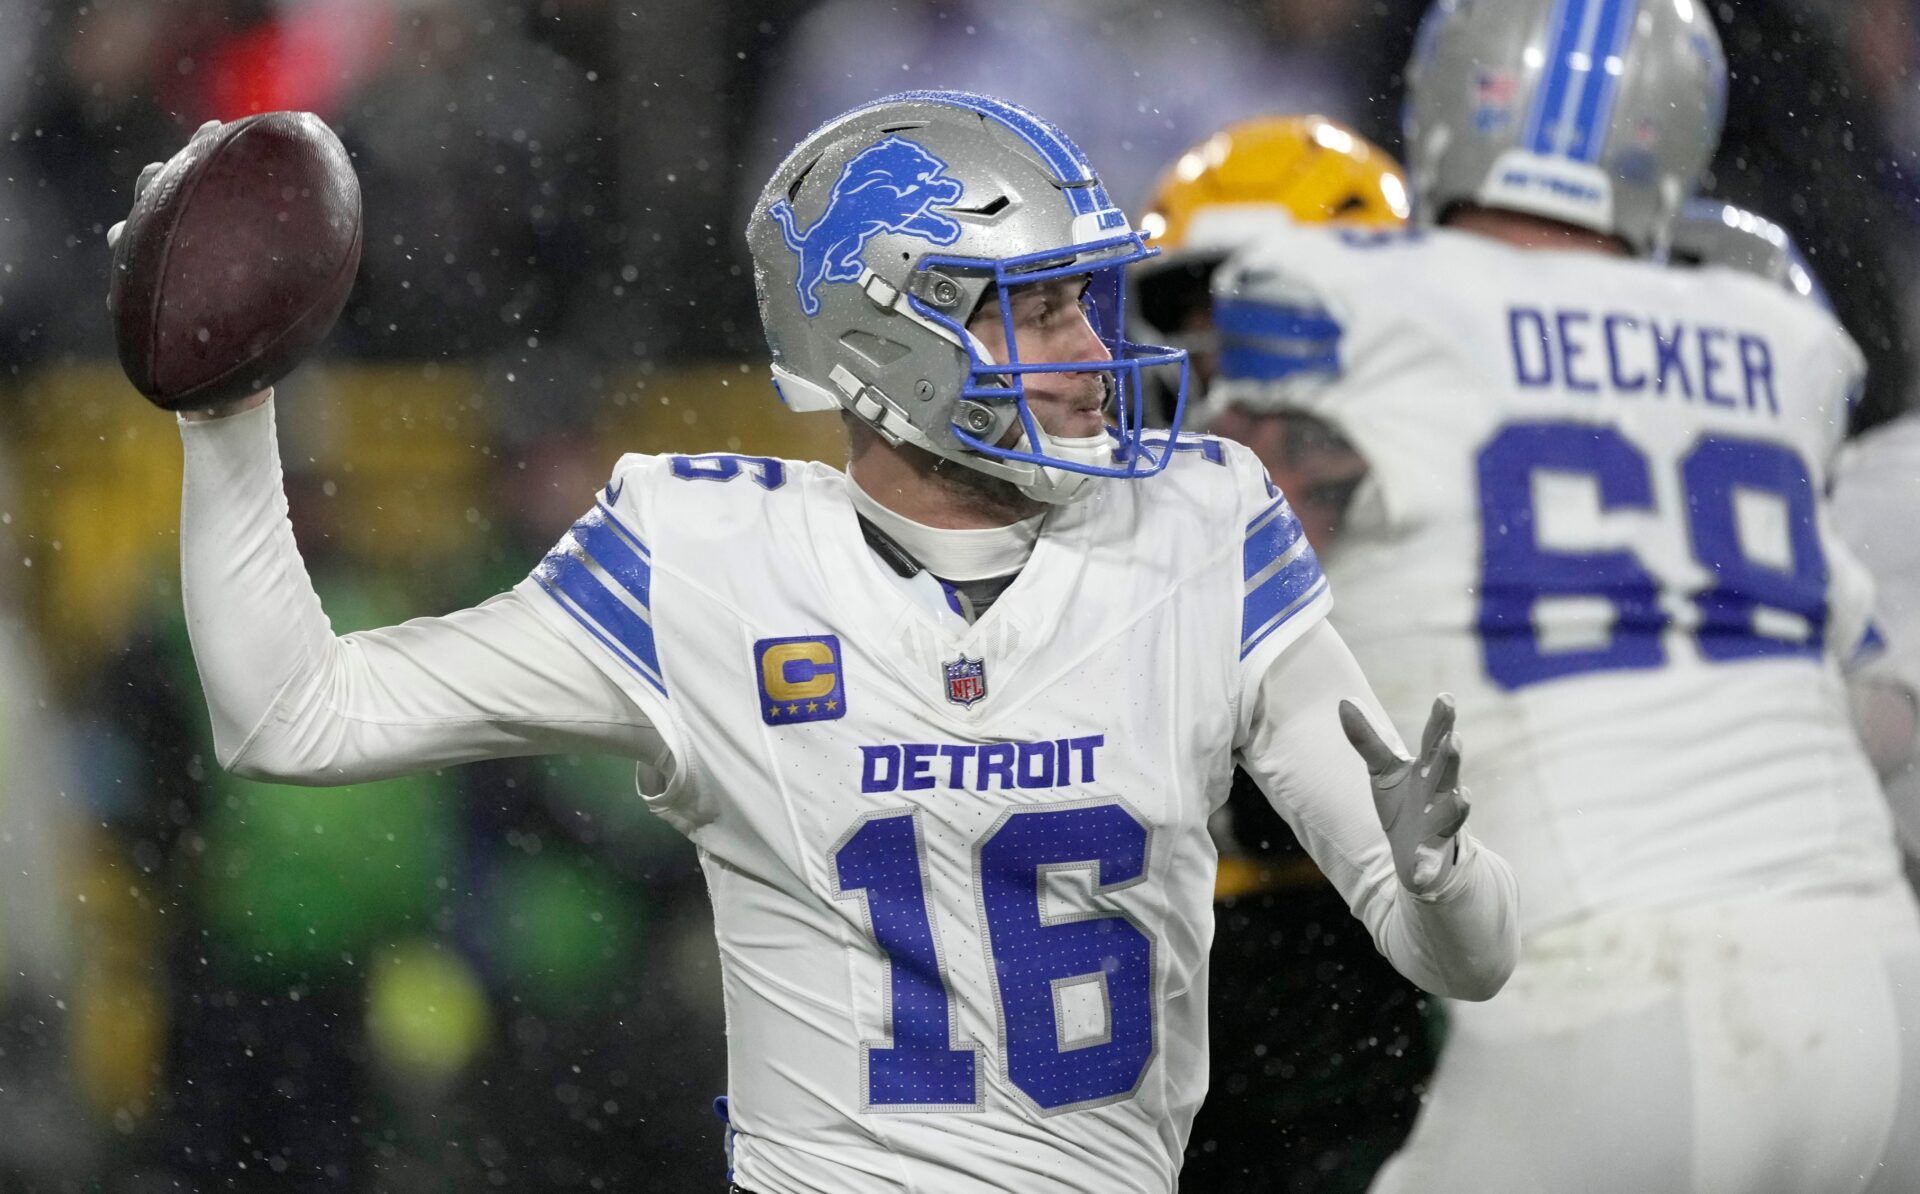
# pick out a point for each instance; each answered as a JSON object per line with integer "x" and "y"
{"x": 1312, "y": 168}
{"x": 1224, "y": 192}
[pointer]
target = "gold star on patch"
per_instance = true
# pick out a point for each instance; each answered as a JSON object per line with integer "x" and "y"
{"x": 793, "y": 708}
{"x": 833, "y": 704}
{"x": 813, "y": 706}
{"x": 773, "y": 711}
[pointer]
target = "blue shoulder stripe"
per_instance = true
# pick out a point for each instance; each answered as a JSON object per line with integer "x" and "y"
{"x": 1245, "y": 317}
{"x": 1282, "y": 574}
{"x": 1262, "y": 341}
{"x": 595, "y": 600}
{"x": 617, "y": 550}
{"x": 1269, "y": 537}
{"x": 1244, "y": 362}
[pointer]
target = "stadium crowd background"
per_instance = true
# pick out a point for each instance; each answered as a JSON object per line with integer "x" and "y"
{"x": 502, "y": 976}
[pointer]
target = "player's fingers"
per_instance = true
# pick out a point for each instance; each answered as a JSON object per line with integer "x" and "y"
{"x": 113, "y": 233}
{"x": 1446, "y": 764}
{"x": 1450, "y": 812}
{"x": 146, "y": 178}
{"x": 1373, "y": 748}
{"x": 1439, "y": 725}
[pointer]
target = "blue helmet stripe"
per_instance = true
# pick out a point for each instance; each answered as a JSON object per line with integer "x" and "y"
{"x": 1059, "y": 152}
{"x": 1603, "y": 84}
{"x": 1055, "y": 148}
{"x": 1564, "y": 28}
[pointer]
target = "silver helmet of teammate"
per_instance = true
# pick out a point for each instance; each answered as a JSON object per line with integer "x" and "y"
{"x": 1596, "y": 113}
{"x": 1710, "y": 232}
{"x": 883, "y": 233}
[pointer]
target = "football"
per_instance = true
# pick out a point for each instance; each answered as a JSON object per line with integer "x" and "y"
{"x": 236, "y": 260}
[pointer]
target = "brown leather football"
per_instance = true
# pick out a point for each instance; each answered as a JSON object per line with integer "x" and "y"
{"x": 236, "y": 260}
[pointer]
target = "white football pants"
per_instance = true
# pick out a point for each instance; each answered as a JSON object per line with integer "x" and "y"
{"x": 1764, "y": 1048}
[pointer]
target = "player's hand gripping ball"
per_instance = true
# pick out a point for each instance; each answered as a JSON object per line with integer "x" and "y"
{"x": 236, "y": 259}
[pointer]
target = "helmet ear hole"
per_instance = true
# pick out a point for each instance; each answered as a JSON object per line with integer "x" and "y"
{"x": 990, "y": 208}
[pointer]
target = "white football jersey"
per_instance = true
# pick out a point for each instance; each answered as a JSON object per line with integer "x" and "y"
{"x": 1594, "y": 512}
{"x": 961, "y": 875}
{"x": 1876, "y": 497}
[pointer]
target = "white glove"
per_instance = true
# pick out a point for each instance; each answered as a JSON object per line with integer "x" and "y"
{"x": 147, "y": 174}
{"x": 1421, "y": 805}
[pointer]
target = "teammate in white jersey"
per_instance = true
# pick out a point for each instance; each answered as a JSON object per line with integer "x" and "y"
{"x": 1594, "y": 502}
{"x": 1354, "y": 1038}
{"x": 1876, "y": 497}
{"x": 1876, "y": 490}
{"x": 947, "y": 727}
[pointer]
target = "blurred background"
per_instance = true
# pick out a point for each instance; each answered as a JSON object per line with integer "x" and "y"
{"x": 503, "y": 976}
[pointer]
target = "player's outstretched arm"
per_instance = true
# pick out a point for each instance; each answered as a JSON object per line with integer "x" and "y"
{"x": 290, "y": 701}
{"x": 1384, "y": 828}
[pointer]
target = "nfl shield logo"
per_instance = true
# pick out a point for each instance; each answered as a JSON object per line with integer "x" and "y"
{"x": 966, "y": 681}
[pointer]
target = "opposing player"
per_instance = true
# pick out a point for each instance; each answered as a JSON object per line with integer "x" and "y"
{"x": 947, "y": 727}
{"x": 1348, "y": 1032}
{"x": 1222, "y": 193}
{"x": 1594, "y": 500}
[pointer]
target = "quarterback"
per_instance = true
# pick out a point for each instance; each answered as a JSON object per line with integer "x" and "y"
{"x": 946, "y": 727}
{"x": 1594, "y": 502}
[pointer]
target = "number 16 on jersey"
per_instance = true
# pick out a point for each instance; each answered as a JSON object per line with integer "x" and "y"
{"x": 1036, "y": 959}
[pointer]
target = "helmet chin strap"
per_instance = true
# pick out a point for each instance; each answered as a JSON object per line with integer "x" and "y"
{"x": 1059, "y": 486}
{"x": 1044, "y": 483}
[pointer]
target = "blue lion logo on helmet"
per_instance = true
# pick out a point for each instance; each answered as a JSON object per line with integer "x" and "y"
{"x": 889, "y": 187}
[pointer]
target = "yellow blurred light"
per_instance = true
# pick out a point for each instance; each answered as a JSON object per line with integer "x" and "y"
{"x": 1396, "y": 193}
{"x": 1332, "y": 136}
{"x": 426, "y": 1011}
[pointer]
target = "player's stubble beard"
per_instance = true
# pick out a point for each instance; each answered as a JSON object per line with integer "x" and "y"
{"x": 991, "y": 500}
{"x": 994, "y": 498}
{"x": 994, "y": 501}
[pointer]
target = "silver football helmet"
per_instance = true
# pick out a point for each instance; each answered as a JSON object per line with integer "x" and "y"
{"x": 1597, "y": 113}
{"x": 1710, "y": 232}
{"x": 882, "y": 233}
